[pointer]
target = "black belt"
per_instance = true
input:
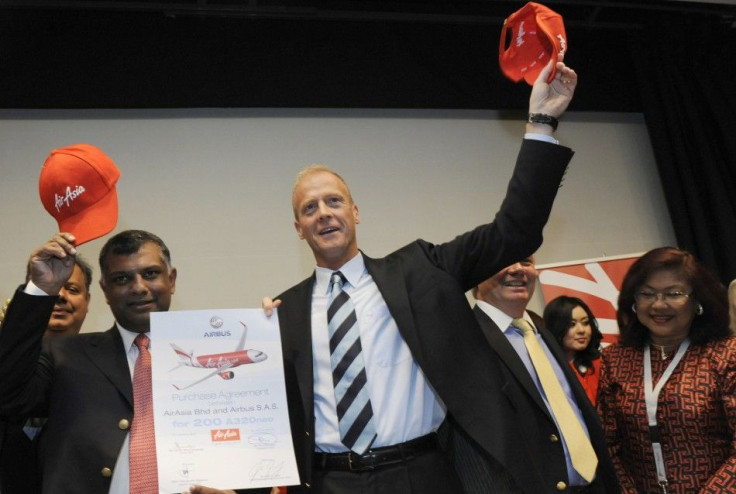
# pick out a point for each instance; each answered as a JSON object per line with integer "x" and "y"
{"x": 376, "y": 457}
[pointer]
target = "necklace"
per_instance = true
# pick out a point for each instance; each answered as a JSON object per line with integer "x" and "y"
{"x": 664, "y": 350}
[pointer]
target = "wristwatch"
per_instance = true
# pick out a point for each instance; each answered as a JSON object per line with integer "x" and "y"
{"x": 544, "y": 119}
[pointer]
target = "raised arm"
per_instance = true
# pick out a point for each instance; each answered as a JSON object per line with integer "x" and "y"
{"x": 24, "y": 377}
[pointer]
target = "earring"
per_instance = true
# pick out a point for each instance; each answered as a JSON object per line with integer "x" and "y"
{"x": 699, "y": 309}
{"x": 633, "y": 308}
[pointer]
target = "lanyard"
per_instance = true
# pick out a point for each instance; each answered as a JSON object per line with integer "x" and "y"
{"x": 651, "y": 394}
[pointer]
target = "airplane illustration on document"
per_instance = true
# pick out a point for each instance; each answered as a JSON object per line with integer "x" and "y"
{"x": 220, "y": 362}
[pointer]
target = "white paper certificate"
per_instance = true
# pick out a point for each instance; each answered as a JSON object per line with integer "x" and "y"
{"x": 219, "y": 400}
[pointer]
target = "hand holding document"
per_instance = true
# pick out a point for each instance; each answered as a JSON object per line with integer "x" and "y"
{"x": 219, "y": 400}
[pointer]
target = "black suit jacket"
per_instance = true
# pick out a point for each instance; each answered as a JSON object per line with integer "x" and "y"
{"x": 539, "y": 465}
{"x": 18, "y": 463}
{"x": 81, "y": 383}
{"x": 424, "y": 288}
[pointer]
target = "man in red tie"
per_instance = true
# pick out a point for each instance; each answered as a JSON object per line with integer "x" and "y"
{"x": 83, "y": 384}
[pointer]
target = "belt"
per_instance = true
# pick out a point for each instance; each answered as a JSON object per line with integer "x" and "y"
{"x": 376, "y": 457}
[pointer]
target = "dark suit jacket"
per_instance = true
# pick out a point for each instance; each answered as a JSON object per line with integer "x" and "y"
{"x": 18, "y": 464}
{"x": 81, "y": 383}
{"x": 424, "y": 287}
{"x": 539, "y": 465}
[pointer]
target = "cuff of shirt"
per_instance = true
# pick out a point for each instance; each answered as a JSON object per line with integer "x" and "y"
{"x": 32, "y": 289}
{"x": 540, "y": 137}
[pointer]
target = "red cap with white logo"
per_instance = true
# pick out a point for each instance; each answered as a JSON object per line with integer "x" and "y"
{"x": 537, "y": 34}
{"x": 77, "y": 187}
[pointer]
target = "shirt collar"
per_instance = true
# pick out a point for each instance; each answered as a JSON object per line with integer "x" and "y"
{"x": 500, "y": 318}
{"x": 352, "y": 270}
{"x": 129, "y": 337}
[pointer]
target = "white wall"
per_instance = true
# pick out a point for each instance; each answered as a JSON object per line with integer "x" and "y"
{"x": 216, "y": 185}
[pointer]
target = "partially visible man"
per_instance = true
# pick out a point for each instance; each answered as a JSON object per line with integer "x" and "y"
{"x": 83, "y": 383}
{"x": 71, "y": 308}
{"x": 539, "y": 454}
{"x": 19, "y": 472}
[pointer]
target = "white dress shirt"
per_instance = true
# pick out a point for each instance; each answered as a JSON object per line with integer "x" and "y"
{"x": 120, "y": 482}
{"x": 405, "y": 406}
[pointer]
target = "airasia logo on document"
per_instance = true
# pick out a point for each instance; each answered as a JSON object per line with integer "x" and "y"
{"x": 221, "y": 435}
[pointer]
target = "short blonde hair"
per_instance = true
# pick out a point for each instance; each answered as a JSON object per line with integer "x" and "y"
{"x": 311, "y": 170}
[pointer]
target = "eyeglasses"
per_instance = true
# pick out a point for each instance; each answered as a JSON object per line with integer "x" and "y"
{"x": 671, "y": 298}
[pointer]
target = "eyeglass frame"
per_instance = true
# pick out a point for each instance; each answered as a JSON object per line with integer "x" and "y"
{"x": 666, "y": 297}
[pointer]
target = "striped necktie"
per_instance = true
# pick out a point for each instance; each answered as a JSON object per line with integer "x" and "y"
{"x": 354, "y": 411}
{"x": 582, "y": 455}
{"x": 143, "y": 467}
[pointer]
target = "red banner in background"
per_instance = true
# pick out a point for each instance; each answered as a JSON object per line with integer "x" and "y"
{"x": 596, "y": 281}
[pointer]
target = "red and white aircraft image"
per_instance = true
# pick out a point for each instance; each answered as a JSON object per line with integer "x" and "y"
{"x": 220, "y": 362}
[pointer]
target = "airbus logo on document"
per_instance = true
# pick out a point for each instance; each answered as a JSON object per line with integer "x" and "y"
{"x": 67, "y": 198}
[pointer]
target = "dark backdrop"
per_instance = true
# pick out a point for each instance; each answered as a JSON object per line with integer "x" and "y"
{"x": 676, "y": 65}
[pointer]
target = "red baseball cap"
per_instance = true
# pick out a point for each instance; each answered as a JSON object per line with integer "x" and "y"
{"x": 77, "y": 187}
{"x": 537, "y": 35}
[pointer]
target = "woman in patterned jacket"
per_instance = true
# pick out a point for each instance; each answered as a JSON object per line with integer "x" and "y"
{"x": 667, "y": 395}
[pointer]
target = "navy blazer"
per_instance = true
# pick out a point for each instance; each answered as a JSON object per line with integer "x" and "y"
{"x": 424, "y": 287}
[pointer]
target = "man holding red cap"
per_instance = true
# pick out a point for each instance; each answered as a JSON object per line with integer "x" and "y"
{"x": 83, "y": 383}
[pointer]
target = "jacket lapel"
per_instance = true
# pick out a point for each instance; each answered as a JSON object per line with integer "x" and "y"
{"x": 297, "y": 333}
{"x": 106, "y": 351}
{"x": 389, "y": 278}
{"x": 508, "y": 355}
{"x": 575, "y": 386}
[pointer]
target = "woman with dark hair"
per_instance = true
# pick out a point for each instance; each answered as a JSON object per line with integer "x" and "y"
{"x": 667, "y": 395}
{"x": 575, "y": 328}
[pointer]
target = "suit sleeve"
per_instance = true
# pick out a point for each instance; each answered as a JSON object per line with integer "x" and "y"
{"x": 516, "y": 231}
{"x": 24, "y": 373}
{"x": 724, "y": 479}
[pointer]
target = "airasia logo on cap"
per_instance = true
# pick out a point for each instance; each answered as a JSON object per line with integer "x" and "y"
{"x": 71, "y": 194}
{"x": 520, "y": 35}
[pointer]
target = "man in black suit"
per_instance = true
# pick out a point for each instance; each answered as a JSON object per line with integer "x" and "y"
{"x": 424, "y": 354}
{"x": 542, "y": 463}
{"x": 18, "y": 464}
{"x": 83, "y": 383}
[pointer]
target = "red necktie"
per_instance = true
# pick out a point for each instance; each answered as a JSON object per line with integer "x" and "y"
{"x": 143, "y": 468}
